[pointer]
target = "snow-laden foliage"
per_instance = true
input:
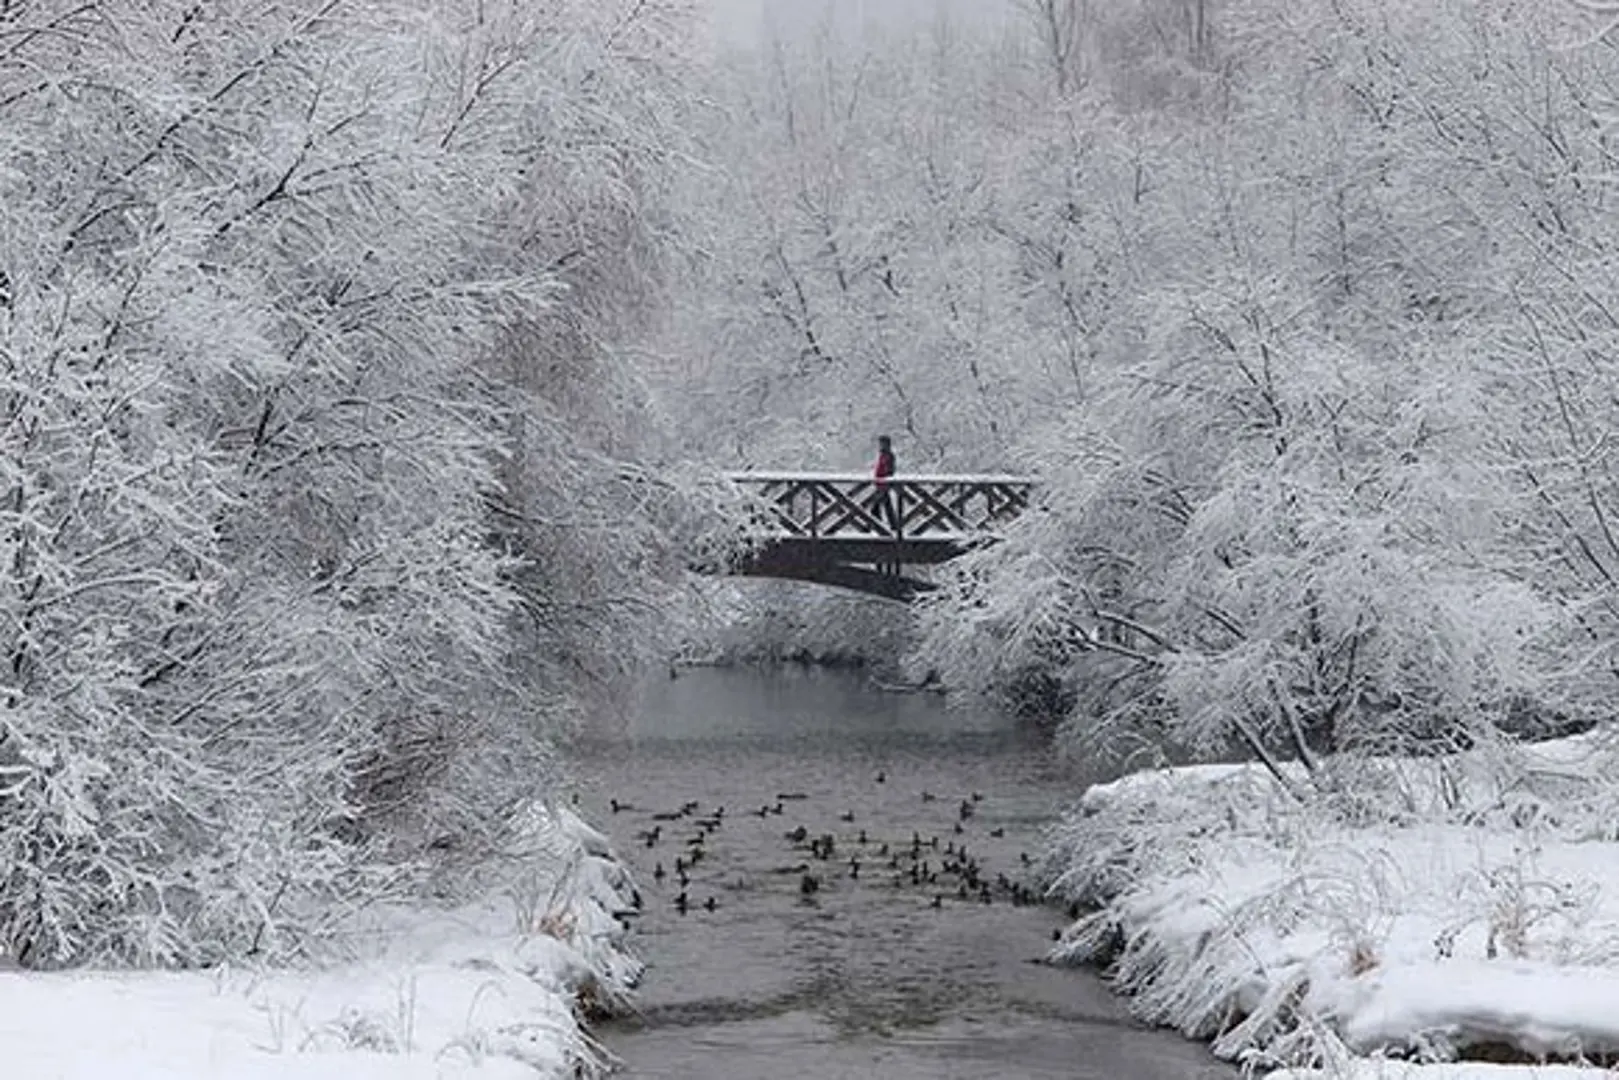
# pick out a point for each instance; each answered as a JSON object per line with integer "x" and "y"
{"x": 764, "y": 621}
{"x": 261, "y": 272}
{"x": 1337, "y": 477}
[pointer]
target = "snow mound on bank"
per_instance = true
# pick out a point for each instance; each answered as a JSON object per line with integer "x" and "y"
{"x": 1542, "y": 1009}
{"x": 1417, "y": 908}
{"x": 1400, "y": 1070}
{"x": 489, "y": 991}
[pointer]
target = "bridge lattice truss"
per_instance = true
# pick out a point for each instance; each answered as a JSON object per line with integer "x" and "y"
{"x": 850, "y": 531}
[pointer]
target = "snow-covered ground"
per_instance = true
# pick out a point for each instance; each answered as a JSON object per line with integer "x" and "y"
{"x": 1401, "y": 1070}
{"x": 488, "y": 991}
{"x": 1457, "y": 907}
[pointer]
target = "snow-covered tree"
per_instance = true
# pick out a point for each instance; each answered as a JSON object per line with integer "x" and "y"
{"x": 265, "y": 274}
{"x": 1313, "y": 506}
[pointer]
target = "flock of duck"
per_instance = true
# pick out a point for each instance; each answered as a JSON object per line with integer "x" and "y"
{"x": 942, "y": 867}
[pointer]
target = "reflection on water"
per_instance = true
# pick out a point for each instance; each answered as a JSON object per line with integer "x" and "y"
{"x": 876, "y": 972}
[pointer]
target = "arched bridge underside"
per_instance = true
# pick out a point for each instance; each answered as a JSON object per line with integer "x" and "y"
{"x": 849, "y": 531}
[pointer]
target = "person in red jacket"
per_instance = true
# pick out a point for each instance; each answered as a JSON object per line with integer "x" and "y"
{"x": 882, "y": 502}
{"x": 885, "y": 459}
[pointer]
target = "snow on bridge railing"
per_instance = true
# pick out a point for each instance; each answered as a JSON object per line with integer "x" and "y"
{"x": 850, "y": 506}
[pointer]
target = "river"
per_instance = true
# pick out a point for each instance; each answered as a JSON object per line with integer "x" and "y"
{"x": 872, "y": 974}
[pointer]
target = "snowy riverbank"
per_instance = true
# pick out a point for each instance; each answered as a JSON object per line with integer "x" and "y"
{"x": 491, "y": 990}
{"x": 1445, "y": 909}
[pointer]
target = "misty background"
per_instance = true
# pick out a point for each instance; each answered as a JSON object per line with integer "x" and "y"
{"x": 757, "y": 22}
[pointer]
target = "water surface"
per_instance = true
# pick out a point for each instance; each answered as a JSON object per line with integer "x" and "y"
{"x": 872, "y": 975}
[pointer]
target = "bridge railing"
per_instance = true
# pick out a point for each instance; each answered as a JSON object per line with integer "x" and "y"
{"x": 855, "y": 506}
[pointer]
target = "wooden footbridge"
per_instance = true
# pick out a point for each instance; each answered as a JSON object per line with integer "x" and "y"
{"x": 849, "y": 531}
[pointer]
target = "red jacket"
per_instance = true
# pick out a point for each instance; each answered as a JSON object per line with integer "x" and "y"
{"x": 885, "y": 465}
